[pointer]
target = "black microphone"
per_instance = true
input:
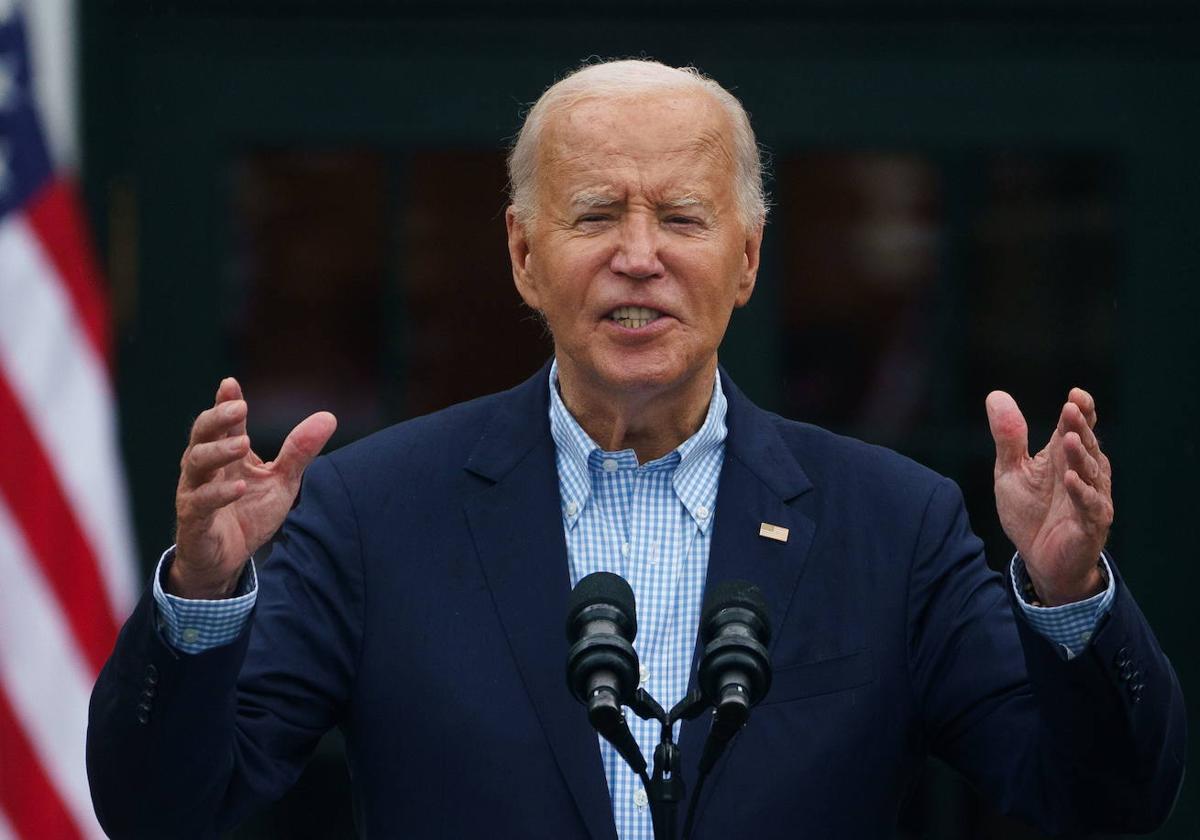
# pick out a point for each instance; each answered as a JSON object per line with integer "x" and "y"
{"x": 735, "y": 672}
{"x": 602, "y": 666}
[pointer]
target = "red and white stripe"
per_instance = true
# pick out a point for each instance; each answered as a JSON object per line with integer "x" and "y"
{"x": 66, "y": 554}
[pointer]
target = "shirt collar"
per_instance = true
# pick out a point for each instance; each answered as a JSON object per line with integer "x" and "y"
{"x": 572, "y": 449}
{"x": 696, "y": 462}
{"x": 700, "y": 459}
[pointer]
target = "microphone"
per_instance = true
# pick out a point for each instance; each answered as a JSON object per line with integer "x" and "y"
{"x": 602, "y": 666}
{"x": 735, "y": 672}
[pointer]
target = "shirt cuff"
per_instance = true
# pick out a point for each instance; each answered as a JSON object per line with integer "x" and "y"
{"x": 1070, "y": 626}
{"x": 194, "y": 626}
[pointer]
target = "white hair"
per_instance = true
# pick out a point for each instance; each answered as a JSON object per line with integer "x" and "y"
{"x": 622, "y": 79}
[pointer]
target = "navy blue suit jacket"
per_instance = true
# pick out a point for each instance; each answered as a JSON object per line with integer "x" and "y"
{"x": 416, "y": 595}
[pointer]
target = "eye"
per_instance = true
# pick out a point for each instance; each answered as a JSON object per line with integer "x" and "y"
{"x": 678, "y": 220}
{"x": 593, "y": 219}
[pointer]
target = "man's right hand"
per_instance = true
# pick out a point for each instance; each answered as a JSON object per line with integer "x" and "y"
{"x": 229, "y": 501}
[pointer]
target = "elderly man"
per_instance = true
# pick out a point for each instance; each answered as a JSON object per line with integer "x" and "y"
{"x": 415, "y": 594}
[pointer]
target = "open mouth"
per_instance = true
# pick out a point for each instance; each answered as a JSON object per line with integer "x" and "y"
{"x": 634, "y": 317}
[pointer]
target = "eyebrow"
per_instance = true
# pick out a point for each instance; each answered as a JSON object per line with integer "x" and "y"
{"x": 686, "y": 201}
{"x": 588, "y": 198}
{"x": 594, "y": 199}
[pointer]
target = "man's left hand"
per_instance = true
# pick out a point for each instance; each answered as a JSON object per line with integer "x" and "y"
{"x": 1056, "y": 506}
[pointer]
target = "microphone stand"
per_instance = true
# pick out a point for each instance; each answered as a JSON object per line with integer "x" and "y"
{"x": 665, "y": 788}
{"x": 664, "y": 785}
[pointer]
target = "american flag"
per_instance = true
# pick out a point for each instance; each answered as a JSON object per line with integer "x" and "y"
{"x": 66, "y": 554}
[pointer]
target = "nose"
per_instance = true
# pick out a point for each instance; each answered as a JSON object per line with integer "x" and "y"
{"x": 636, "y": 255}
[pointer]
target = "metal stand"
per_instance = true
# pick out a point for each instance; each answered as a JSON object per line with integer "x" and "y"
{"x": 664, "y": 787}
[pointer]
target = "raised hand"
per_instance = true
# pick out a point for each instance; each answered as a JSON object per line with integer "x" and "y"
{"x": 1056, "y": 506}
{"x": 229, "y": 501}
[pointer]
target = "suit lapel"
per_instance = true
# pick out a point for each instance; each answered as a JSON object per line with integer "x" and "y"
{"x": 517, "y": 528}
{"x": 759, "y": 478}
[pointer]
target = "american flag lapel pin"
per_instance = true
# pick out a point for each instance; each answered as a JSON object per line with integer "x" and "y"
{"x": 773, "y": 532}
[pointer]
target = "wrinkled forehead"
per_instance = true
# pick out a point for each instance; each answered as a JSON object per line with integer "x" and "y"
{"x": 670, "y": 134}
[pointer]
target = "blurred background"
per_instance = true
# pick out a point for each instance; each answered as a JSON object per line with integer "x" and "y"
{"x": 995, "y": 194}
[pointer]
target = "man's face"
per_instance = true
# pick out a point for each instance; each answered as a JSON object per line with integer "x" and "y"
{"x": 637, "y": 254}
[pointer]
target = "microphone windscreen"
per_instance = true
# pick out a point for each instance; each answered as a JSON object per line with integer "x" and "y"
{"x": 734, "y": 593}
{"x": 602, "y": 588}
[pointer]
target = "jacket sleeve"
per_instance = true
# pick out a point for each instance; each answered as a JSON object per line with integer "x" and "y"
{"x": 1095, "y": 742}
{"x": 183, "y": 745}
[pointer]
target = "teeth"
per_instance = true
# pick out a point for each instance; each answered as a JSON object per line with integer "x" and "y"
{"x": 634, "y": 317}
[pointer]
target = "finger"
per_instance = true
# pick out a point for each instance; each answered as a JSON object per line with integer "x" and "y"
{"x": 1080, "y": 460}
{"x": 219, "y": 421}
{"x": 202, "y": 461}
{"x": 231, "y": 389}
{"x": 228, "y": 389}
{"x": 1072, "y": 419}
{"x": 1105, "y": 482}
{"x": 1094, "y": 507}
{"x": 304, "y": 442}
{"x": 1009, "y": 431}
{"x": 207, "y": 499}
{"x": 1087, "y": 405}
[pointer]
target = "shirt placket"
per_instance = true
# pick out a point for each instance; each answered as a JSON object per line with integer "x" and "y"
{"x": 640, "y": 576}
{"x": 614, "y": 491}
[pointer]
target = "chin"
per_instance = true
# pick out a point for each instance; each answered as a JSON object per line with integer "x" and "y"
{"x": 635, "y": 376}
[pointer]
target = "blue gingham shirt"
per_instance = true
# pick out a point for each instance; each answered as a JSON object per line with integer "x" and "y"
{"x": 650, "y": 523}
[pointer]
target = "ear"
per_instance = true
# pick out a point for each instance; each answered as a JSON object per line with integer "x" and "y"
{"x": 519, "y": 256}
{"x": 750, "y": 259}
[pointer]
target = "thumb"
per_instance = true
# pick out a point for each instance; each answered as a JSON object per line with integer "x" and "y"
{"x": 304, "y": 442}
{"x": 1009, "y": 431}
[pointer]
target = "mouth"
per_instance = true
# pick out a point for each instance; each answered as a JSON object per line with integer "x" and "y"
{"x": 634, "y": 317}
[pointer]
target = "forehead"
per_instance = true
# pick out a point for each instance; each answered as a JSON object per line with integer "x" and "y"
{"x": 664, "y": 139}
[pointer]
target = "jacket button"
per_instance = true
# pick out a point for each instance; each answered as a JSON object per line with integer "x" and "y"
{"x": 151, "y": 675}
{"x": 143, "y": 714}
{"x": 148, "y": 693}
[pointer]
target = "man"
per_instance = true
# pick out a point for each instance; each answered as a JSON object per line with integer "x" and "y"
{"x": 416, "y": 593}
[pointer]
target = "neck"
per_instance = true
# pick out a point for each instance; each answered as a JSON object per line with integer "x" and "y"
{"x": 650, "y": 421}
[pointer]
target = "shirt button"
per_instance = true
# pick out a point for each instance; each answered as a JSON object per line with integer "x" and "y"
{"x": 1085, "y": 636}
{"x": 572, "y": 508}
{"x": 640, "y": 799}
{"x": 190, "y": 635}
{"x": 624, "y": 549}
{"x": 609, "y": 465}
{"x": 643, "y": 674}
{"x": 702, "y": 512}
